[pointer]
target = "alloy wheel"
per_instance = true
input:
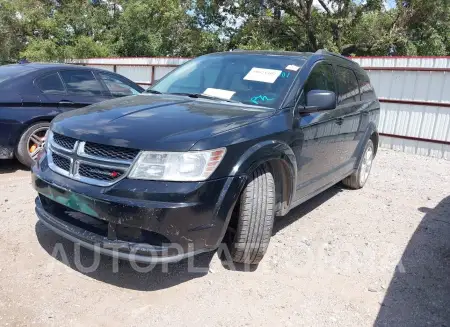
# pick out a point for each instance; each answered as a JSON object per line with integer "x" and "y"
{"x": 36, "y": 142}
{"x": 366, "y": 164}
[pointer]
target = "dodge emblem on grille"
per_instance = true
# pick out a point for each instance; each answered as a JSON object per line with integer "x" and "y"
{"x": 101, "y": 168}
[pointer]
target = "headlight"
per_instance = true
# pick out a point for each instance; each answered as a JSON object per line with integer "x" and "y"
{"x": 176, "y": 166}
{"x": 47, "y": 137}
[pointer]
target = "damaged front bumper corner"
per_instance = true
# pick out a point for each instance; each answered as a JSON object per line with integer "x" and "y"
{"x": 130, "y": 251}
{"x": 142, "y": 221}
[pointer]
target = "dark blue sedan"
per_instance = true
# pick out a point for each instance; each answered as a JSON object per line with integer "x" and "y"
{"x": 31, "y": 95}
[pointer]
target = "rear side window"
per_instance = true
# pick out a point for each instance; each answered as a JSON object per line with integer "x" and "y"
{"x": 9, "y": 72}
{"x": 81, "y": 82}
{"x": 348, "y": 86}
{"x": 50, "y": 84}
{"x": 365, "y": 87}
{"x": 116, "y": 86}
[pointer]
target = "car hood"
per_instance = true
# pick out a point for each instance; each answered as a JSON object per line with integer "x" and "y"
{"x": 155, "y": 122}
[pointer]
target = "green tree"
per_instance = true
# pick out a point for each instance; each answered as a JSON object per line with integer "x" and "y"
{"x": 55, "y": 30}
{"x": 345, "y": 26}
{"x": 12, "y": 34}
{"x": 160, "y": 28}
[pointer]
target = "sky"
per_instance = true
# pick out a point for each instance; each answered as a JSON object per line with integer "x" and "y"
{"x": 389, "y": 4}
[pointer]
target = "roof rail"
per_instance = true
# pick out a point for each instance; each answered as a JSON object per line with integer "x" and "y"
{"x": 323, "y": 51}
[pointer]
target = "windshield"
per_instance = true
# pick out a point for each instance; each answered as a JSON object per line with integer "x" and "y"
{"x": 253, "y": 79}
{"x": 9, "y": 71}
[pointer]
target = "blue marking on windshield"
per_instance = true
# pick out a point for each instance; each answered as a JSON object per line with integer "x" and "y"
{"x": 261, "y": 98}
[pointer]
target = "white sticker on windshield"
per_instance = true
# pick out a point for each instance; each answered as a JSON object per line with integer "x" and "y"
{"x": 292, "y": 67}
{"x": 262, "y": 75}
{"x": 223, "y": 94}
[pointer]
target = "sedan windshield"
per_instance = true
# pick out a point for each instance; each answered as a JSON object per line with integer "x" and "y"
{"x": 254, "y": 79}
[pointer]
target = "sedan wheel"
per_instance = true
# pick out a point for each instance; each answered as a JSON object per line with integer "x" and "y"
{"x": 31, "y": 143}
{"x": 36, "y": 142}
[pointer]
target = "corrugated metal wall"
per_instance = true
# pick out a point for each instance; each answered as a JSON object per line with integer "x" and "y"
{"x": 414, "y": 94}
{"x": 415, "y": 102}
{"x": 143, "y": 71}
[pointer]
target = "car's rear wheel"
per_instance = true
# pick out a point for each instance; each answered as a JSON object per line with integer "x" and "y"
{"x": 255, "y": 219}
{"x": 31, "y": 143}
{"x": 359, "y": 178}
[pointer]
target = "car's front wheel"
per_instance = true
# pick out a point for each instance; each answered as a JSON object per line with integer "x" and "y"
{"x": 255, "y": 219}
{"x": 359, "y": 178}
{"x": 31, "y": 143}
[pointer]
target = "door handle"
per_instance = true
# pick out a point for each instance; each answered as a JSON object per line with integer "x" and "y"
{"x": 65, "y": 102}
{"x": 339, "y": 121}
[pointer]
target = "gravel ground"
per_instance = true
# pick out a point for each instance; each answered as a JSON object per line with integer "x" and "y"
{"x": 380, "y": 256}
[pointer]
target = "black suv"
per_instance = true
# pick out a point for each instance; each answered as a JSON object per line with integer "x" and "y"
{"x": 208, "y": 156}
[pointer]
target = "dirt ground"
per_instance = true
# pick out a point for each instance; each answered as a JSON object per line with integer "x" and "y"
{"x": 379, "y": 256}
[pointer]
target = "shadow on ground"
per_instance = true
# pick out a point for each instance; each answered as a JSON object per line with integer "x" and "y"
{"x": 10, "y": 166}
{"x": 305, "y": 208}
{"x": 419, "y": 292}
{"x": 125, "y": 276}
{"x": 159, "y": 277}
{"x": 283, "y": 222}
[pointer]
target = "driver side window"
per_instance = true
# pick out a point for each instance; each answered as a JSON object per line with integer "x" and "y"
{"x": 321, "y": 78}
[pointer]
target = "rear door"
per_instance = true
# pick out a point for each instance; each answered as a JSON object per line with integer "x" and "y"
{"x": 52, "y": 89}
{"x": 82, "y": 89}
{"x": 349, "y": 108}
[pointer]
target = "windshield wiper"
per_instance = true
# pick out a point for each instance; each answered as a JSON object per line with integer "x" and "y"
{"x": 152, "y": 91}
{"x": 204, "y": 96}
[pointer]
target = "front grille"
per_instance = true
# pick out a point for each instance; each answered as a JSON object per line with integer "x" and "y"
{"x": 88, "y": 162}
{"x": 61, "y": 162}
{"x": 99, "y": 173}
{"x": 110, "y": 152}
{"x": 64, "y": 141}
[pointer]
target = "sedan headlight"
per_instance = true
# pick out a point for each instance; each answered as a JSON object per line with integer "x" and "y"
{"x": 176, "y": 166}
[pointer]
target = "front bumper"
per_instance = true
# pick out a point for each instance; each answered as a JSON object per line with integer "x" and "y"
{"x": 9, "y": 134}
{"x": 144, "y": 221}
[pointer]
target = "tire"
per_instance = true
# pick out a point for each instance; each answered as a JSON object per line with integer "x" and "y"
{"x": 255, "y": 219}
{"x": 359, "y": 178}
{"x": 23, "y": 147}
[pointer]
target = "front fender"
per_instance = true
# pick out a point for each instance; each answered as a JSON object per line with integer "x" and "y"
{"x": 282, "y": 163}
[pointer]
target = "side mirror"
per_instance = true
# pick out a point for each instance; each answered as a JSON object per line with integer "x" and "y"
{"x": 317, "y": 100}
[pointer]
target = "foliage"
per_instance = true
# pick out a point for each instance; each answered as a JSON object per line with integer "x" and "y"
{"x": 160, "y": 28}
{"x": 54, "y": 30}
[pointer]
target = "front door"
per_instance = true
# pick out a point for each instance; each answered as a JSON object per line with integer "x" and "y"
{"x": 318, "y": 133}
{"x": 53, "y": 91}
{"x": 71, "y": 89}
